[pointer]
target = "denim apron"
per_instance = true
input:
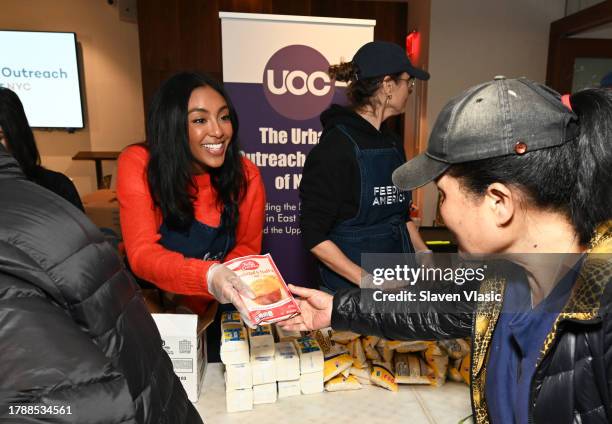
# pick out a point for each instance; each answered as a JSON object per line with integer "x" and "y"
{"x": 199, "y": 241}
{"x": 380, "y": 223}
{"x": 208, "y": 243}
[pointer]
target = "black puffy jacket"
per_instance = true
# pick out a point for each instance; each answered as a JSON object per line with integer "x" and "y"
{"x": 573, "y": 378}
{"x": 74, "y": 330}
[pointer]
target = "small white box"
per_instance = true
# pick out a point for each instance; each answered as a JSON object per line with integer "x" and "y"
{"x": 231, "y": 317}
{"x": 264, "y": 368}
{"x": 234, "y": 345}
{"x": 261, "y": 336}
{"x": 287, "y": 362}
{"x": 264, "y": 393}
{"x": 311, "y": 356}
{"x": 185, "y": 343}
{"x": 238, "y": 376}
{"x": 289, "y": 388}
{"x": 311, "y": 382}
{"x": 286, "y": 335}
{"x": 239, "y": 400}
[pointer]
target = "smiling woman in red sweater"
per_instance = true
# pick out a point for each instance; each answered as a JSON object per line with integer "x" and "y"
{"x": 188, "y": 199}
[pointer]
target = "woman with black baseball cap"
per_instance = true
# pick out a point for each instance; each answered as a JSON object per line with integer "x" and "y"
{"x": 349, "y": 203}
{"x": 522, "y": 172}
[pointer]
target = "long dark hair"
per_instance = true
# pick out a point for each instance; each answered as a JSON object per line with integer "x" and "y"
{"x": 19, "y": 137}
{"x": 170, "y": 169}
{"x": 574, "y": 178}
{"x": 360, "y": 92}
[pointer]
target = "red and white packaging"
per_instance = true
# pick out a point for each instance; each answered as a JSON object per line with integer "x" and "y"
{"x": 273, "y": 302}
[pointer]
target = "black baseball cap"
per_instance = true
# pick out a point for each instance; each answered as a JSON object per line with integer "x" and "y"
{"x": 498, "y": 118}
{"x": 378, "y": 58}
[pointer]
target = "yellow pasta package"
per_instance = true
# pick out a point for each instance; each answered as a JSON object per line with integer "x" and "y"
{"x": 383, "y": 376}
{"x": 337, "y": 360}
{"x": 344, "y": 337}
{"x": 464, "y": 370}
{"x": 323, "y": 337}
{"x": 361, "y": 372}
{"x": 385, "y": 352}
{"x": 437, "y": 359}
{"x": 342, "y": 383}
{"x": 358, "y": 354}
{"x": 369, "y": 347}
{"x": 407, "y": 347}
{"x": 453, "y": 371}
{"x": 410, "y": 368}
{"x": 455, "y": 348}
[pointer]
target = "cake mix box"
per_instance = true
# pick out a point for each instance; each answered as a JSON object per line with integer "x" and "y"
{"x": 273, "y": 302}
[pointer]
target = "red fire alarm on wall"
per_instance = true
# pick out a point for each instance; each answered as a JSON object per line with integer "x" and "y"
{"x": 413, "y": 41}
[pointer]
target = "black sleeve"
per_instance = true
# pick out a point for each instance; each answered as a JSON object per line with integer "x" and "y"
{"x": 47, "y": 360}
{"x": 329, "y": 176}
{"x": 59, "y": 184}
{"x": 68, "y": 191}
{"x": 410, "y": 321}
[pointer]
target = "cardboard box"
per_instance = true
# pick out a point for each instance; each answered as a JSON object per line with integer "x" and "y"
{"x": 102, "y": 208}
{"x": 184, "y": 339}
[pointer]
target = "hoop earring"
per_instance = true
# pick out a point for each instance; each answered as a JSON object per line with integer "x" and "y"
{"x": 387, "y": 99}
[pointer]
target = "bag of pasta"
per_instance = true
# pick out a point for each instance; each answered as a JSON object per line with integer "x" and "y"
{"x": 410, "y": 368}
{"x": 437, "y": 359}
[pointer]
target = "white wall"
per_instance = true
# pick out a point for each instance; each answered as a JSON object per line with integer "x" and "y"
{"x": 574, "y": 6}
{"x": 111, "y": 74}
{"x": 471, "y": 41}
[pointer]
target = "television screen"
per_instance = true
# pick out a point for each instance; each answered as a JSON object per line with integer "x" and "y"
{"x": 41, "y": 67}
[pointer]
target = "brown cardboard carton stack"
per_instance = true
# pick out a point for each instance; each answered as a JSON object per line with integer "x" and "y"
{"x": 102, "y": 208}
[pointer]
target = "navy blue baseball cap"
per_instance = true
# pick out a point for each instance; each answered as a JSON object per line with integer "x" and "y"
{"x": 378, "y": 58}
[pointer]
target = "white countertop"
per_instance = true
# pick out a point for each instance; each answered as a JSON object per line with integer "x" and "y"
{"x": 371, "y": 405}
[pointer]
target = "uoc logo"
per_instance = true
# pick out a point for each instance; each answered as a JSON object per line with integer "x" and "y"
{"x": 296, "y": 83}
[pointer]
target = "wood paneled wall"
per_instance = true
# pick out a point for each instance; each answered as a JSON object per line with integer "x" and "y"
{"x": 177, "y": 35}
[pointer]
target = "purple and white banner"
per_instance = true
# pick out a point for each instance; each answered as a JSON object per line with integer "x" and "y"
{"x": 275, "y": 71}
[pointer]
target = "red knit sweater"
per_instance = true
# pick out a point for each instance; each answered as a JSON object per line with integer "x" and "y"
{"x": 140, "y": 222}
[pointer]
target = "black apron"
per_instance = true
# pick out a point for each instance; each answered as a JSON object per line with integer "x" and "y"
{"x": 380, "y": 224}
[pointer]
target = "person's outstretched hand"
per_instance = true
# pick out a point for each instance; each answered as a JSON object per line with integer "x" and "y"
{"x": 316, "y": 307}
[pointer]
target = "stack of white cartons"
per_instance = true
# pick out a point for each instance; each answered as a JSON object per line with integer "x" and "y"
{"x": 263, "y": 364}
{"x": 258, "y": 370}
{"x": 286, "y": 335}
{"x": 235, "y": 356}
{"x": 287, "y": 369}
{"x": 311, "y": 365}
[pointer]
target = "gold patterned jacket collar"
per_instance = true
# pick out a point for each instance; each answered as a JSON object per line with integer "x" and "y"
{"x": 582, "y": 306}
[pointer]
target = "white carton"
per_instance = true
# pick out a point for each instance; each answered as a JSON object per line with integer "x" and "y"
{"x": 289, "y": 388}
{"x": 234, "y": 345}
{"x": 287, "y": 362}
{"x": 263, "y": 365}
{"x": 261, "y": 336}
{"x": 231, "y": 317}
{"x": 185, "y": 343}
{"x": 238, "y": 376}
{"x": 287, "y": 335}
{"x": 264, "y": 393}
{"x": 239, "y": 400}
{"x": 311, "y": 382}
{"x": 311, "y": 356}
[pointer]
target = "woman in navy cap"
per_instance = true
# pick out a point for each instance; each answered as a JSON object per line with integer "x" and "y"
{"x": 526, "y": 174}
{"x": 349, "y": 203}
